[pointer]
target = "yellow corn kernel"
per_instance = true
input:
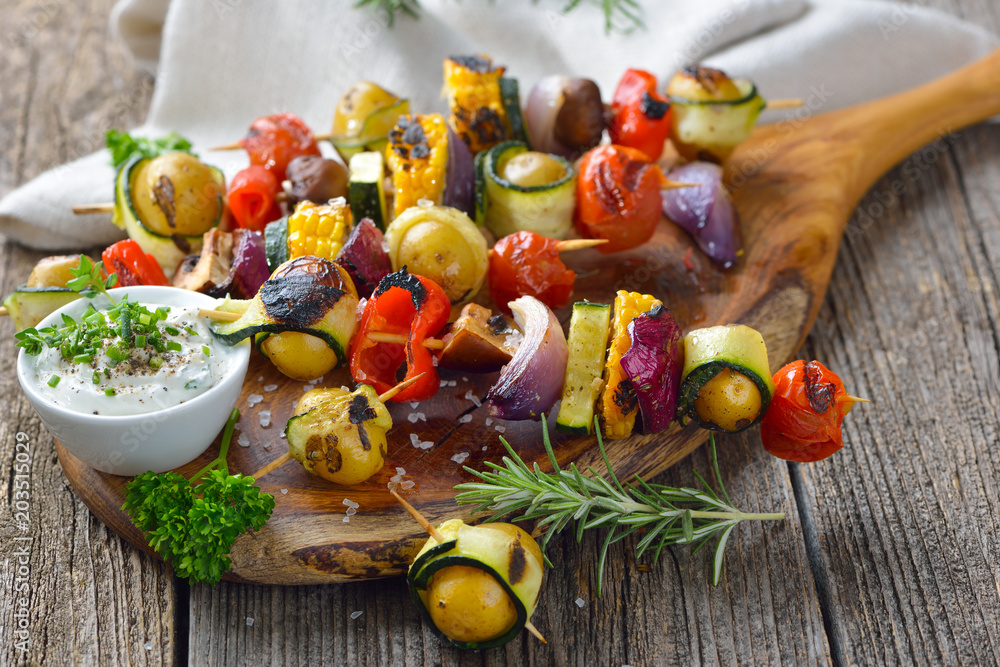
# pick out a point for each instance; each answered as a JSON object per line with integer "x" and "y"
{"x": 421, "y": 176}
{"x": 318, "y": 230}
{"x": 477, "y": 112}
{"x": 618, "y": 402}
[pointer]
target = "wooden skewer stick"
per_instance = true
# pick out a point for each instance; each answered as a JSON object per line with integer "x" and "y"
{"x": 433, "y": 532}
{"x": 236, "y": 145}
{"x": 577, "y": 244}
{"x": 3, "y": 312}
{"x": 855, "y": 399}
{"x": 399, "y": 339}
{"x": 667, "y": 184}
{"x": 87, "y": 209}
{"x": 790, "y": 103}
{"x": 219, "y": 315}
{"x": 284, "y": 458}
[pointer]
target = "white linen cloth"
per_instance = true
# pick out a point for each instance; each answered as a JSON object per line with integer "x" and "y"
{"x": 222, "y": 63}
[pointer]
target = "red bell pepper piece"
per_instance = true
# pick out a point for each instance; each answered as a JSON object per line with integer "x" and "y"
{"x": 274, "y": 141}
{"x": 803, "y": 421}
{"x": 253, "y": 195}
{"x": 406, "y": 305}
{"x": 640, "y": 115}
{"x": 526, "y": 263}
{"x": 133, "y": 266}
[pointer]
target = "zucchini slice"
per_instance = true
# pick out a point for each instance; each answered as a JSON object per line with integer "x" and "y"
{"x": 545, "y": 209}
{"x": 511, "y": 98}
{"x": 726, "y": 383}
{"x": 497, "y": 549}
{"x": 588, "y": 344}
{"x": 30, "y": 305}
{"x": 365, "y": 191}
{"x": 711, "y": 129}
{"x": 481, "y": 201}
{"x": 317, "y": 300}
{"x": 276, "y": 242}
{"x": 373, "y": 135}
{"x": 168, "y": 250}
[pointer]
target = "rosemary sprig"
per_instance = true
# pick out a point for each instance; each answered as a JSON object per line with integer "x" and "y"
{"x": 669, "y": 515}
{"x": 622, "y": 16}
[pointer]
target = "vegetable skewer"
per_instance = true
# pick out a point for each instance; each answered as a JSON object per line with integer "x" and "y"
{"x": 284, "y": 458}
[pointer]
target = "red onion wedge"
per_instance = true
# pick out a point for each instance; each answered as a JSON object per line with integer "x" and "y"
{"x": 706, "y": 211}
{"x": 530, "y": 384}
{"x": 564, "y": 116}
{"x": 364, "y": 258}
{"x": 654, "y": 363}
{"x": 249, "y": 268}
{"x": 460, "y": 181}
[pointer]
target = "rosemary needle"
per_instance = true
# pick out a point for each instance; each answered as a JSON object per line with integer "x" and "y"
{"x": 669, "y": 515}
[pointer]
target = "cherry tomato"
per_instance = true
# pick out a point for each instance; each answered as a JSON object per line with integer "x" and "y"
{"x": 526, "y": 263}
{"x": 640, "y": 115}
{"x": 274, "y": 141}
{"x": 803, "y": 421}
{"x": 133, "y": 266}
{"x": 253, "y": 198}
{"x": 618, "y": 197}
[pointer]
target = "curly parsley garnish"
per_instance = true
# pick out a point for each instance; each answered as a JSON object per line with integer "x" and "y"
{"x": 193, "y": 523}
{"x": 123, "y": 146}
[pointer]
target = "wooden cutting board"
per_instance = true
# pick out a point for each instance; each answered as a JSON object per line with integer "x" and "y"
{"x": 795, "y": 183}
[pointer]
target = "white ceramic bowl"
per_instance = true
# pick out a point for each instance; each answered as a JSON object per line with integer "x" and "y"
{"x": 159, "y": 441}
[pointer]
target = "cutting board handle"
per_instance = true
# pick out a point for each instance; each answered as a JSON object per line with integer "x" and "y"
{"x": 890, "y": 129}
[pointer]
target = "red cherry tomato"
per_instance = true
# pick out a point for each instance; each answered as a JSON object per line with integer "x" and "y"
{"x": 526, "y": 263}
{"x": 618, "y": 197}
{"x": 274, "y": 141}
{"x": 132, "y": 265}
{"x": 253, "y": 198}
{"x": 640, "y": 115}
{"x": 803, "y": 421}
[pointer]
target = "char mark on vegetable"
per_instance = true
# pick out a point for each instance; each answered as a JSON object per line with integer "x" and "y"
{"x": 164, "y": 193}
{"x": 608, "y": 194}
{"x": 182, "y": 243}
{"x": 477, "y": 64}
{"x": 403, "y": 279}
{"x": 820, "y": 394}
{"x": 484, "y": 122}
{"x": 517, "y": 562}
{"x": 625, "y": 398}
{"x": 360, "y": 410}
{"x": 298, "y": 300}
{"x": 632, "y": 174}
{"x": 651, "y": 108}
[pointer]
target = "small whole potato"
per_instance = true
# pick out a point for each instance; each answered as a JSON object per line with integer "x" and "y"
{"x": 532, "y": 169}
{"x": 468, "y": 605}
{"x": 730, "y": 400}
{"x": 299, "y": 355}
{"x": 176, "y": 193}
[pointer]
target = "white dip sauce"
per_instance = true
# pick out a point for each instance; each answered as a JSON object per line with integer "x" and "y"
{"x": 138, "y": 388}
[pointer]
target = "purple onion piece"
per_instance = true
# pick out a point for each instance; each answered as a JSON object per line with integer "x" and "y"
{"x": 544, "y": 103}
{"x": 530, "y": 384}
{"x": 706, "y": 211}
{"x": 460, "y": 182}
{"x": 249, "y": 268}
{"x": 654, "y": 363}
{"x": 364, "y": 258}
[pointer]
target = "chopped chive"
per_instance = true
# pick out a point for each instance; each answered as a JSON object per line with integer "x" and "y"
{"x": 191, "y": 331}
{"x": 140, "y": 340}
{"x": 116, "y": 354}
{"x": 145, "y": 319}
{"x": 173, "y": 331}
{"x": 97, "y": 377}
{"x": 206, "y": 350}
{"x": 107, "y": 372}
{"x": 83, "y": 359}
{"x": 155, "y": 362}
{"x": 159, "y": 346}
{"x": 190, "y": 385}
{"x": 174, "y": 346}
{"x": 54, "y": 380}
{"x": 109, "y": 391}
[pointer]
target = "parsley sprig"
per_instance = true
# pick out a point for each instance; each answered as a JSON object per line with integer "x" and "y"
{"x": 194, "y": 522}
{"x": 669, "y": 515}
{"x": 89, "y": 279}
{"x": 123, "y": 146}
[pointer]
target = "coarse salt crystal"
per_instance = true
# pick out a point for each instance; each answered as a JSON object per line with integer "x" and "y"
{"x": 356, "y": 615}
{"x": 489, "y": 421}
{"x": 351, "y": 511}
{"x": 485, "y": 448}
{"x": 148, "y": 646}
{"x": 408, "y": 484}
{"x": 426, "y": 444}
{"x": 443, "y": 383}
{"x": 400, "y": 471}
{"x": 415, "y": 439}
{"x": 282, "y": 435}
{"x": 465, "y": 419}
{"x": 434, "y": 362}
{"x": 265, "y": 418}
{"x": 351, "y": 503}
{"x": 307, "y": 387}
{"x": 254, "y": 399}
{"x": 460, "y": 457}
{"x": 249, "y": 621}
{"x": 284, "y": 492}
{"x": 392, "y": 485}
{"x": 270, "y": 387}
{"x": 347, "y": 519}
{"x": 414, "y": 404}
{"x": 412, "y": 417}
{"x": 344, "y": 387}
{"x": 260, "y": 379}
{"x": 396, "y": 478}
{"x": 421, "y": 416}
{"x": 581, "y": 603}
{"x": 465, "y": 379}
{"x": 500, "y": 429}
{"x": 452, "y": 383}
{"x": 267, "y": 445}
{"x": 469, "y": 396}
{"x": 243, "y": 440}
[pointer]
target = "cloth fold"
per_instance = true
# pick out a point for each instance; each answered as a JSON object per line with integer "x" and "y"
{"x": 223, "y": 63}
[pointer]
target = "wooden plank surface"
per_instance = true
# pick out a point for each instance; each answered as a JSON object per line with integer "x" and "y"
{"x": 889, "y": 555}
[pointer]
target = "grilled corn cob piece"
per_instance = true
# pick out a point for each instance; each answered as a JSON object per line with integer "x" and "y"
{"x": 417, "y": 154}
{"x": 472, "y": 85}
{"x": 319, "y": 230}
{"x": 618, "y": 402}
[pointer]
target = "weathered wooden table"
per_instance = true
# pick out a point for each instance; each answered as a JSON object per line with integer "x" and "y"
{"x": 890, "y": 553}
